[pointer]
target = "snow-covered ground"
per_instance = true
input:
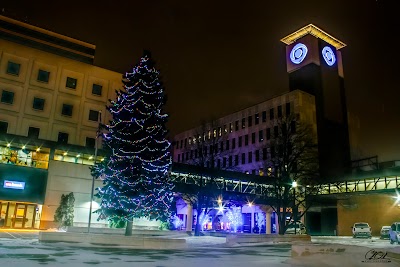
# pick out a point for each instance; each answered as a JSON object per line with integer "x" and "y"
{"x": 26, "y": 251}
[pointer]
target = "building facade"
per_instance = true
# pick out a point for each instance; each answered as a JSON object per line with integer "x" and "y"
{"x": 51, "y": 101}
{"x": 243, "y": 141}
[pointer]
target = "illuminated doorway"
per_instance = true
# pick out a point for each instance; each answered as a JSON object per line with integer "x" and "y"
{"x": 19, "y": 215}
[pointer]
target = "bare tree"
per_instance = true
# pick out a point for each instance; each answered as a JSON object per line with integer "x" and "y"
{"x": 293, "y": 166}
{"x": 206, "y": 151}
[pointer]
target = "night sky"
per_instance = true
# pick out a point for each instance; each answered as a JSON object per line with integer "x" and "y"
{"x": 217, "y": 57}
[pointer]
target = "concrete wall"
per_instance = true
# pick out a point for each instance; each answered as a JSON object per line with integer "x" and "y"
{"x": 64, "y": 178}
{"x": 20, "y": 115}
{"x": 104, "y": 240}
{"x": 377, "y": 210}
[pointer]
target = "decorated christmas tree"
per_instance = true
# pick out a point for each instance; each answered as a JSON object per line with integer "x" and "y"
{"x": 136, "y": 181}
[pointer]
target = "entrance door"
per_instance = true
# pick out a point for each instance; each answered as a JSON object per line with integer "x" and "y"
{"x": 3, "y": 213}
{"x": 19, "y": 216}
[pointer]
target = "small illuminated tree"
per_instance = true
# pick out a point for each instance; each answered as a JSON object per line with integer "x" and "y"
{"x": 235, "y": 217}
{"x": 260, "y": 219}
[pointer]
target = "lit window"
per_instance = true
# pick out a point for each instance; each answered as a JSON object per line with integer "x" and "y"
{"x": 13, "y": 68}
{"x": 38, "y": 103}
{"x": 67, "y": 110}
{"x": 43, "y": 76}
{"x": 90, "y": 142}
{"x": 7, "y": 97}
{"x": 33, "y": 132}
{"x": 93, "y": 115}
{"x": 3, "y": 126}
{"x": 62, "y": 138}
{"x": 71, "y": 83}
{"x": 97, "y": 89}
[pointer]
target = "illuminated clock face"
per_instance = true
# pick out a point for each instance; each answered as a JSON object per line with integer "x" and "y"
{"x": 298, "y": 53}
{"x": 328, "y": 55}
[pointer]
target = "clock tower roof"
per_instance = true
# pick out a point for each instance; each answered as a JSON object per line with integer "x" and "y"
{"x": 315, "y": 31}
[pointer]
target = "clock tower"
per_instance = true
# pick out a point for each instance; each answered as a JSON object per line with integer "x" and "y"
{"x": 314, "y": 65}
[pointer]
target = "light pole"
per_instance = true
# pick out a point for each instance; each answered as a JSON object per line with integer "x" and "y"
{"x": 95, "y": 158}
{"x": 294, "y": 209}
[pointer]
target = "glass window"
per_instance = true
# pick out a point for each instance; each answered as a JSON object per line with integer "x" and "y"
{"x": 260, "y": 136}
{"x": 227, "y": 145}
{"x": 7, "y": 97}
{"x": 230, "y": 161}
{"x": 250, "y": 121}
{"x": 230, "y": 127}
{"x": 93, "y": 115}
{"x": 256, "y": 119}
{"x": 276, "y": 132}
{"x": 264, "y": 116}
{"x": 240, "y": 141}
{"x": 271, "y": 114}
{"x": 62, "y": 138}
{"x": 13, "y": 68}
{"x": 293, "y": 127}
{"x": 246, "y": 140}
{"x": 253, "y": 138}
{"x": 179, "y": 157}
{"x": 279, "y": 111}
{"x": 38, "y": 103}
{"x": 243, "y": 158}
{"x": 3, "y": 126}
{"x": 268, "y": 133}
{"x": 233, "y": 143}
{"x": 243, "y": 123}
{"x": 33, "y": 132}
{"x": 287, "y": 109}
{"x": 257, "y": 155}
{"x": 71, "y": 83}
{"x": 236, "y": 160}
{"x": 236, "y": 125}
{"x": 97, "y": 89}
{"x": 43, "y": 76}
{"x": 90, "y": 142}
{"x": 250, "y": 159}
{"x": 67, "y": 110}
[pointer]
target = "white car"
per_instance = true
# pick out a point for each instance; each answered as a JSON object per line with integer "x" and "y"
{"x": 361, "y": 229}
{"x": 299, "y": 228}
{"x": 394, "y": 233}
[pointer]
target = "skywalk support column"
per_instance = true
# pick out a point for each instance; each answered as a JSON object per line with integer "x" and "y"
{"x": 277, "y": 224}
{"x": 189, "y": 218}
{"x": 268, "y": 223}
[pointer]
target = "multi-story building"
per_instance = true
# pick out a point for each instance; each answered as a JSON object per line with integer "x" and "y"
{"x": 244, "y": 141}
{"x": 51, "y": 96}
{"x": 316, "y": 96}
{"x": 239, "y": 140}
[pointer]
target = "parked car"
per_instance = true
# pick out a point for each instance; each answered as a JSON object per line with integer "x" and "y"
{"x": 299, "y": 228}
{"x": 394, "y": 233}
{"x": 361, "y": 229}
{"x": 385, "y": 232}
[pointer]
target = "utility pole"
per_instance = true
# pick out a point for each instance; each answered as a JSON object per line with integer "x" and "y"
{"x": 93, "y": 177}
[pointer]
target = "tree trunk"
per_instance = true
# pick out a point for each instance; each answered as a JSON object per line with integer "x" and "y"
{"x": 197, "y": 229}
{"x": 282, "y": 222}
{"x": 128, "y": 229}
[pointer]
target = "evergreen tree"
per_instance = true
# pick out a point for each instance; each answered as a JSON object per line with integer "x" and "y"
{"x": 136, "y": 180}
{"x": 65, "y": 212}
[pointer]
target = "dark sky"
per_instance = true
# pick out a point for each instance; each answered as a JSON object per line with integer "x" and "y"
{"x": 217, "y": 56}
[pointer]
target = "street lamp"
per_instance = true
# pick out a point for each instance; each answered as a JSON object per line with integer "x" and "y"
{"x": 294, "y": 209}
{"x": 95, "y": 158}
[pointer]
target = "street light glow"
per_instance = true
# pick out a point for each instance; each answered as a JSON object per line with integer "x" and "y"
{"x": 294, "y": 184}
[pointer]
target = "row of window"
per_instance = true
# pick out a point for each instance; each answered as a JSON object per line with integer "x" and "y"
{"x": 233, "y": 160}
{"x": 7, "y": 97}
{"x": 234, "y": 126}
{"x": 231, "y": 144}
{"x": 44, "y": 76}
{"x": 33, "y": 132}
